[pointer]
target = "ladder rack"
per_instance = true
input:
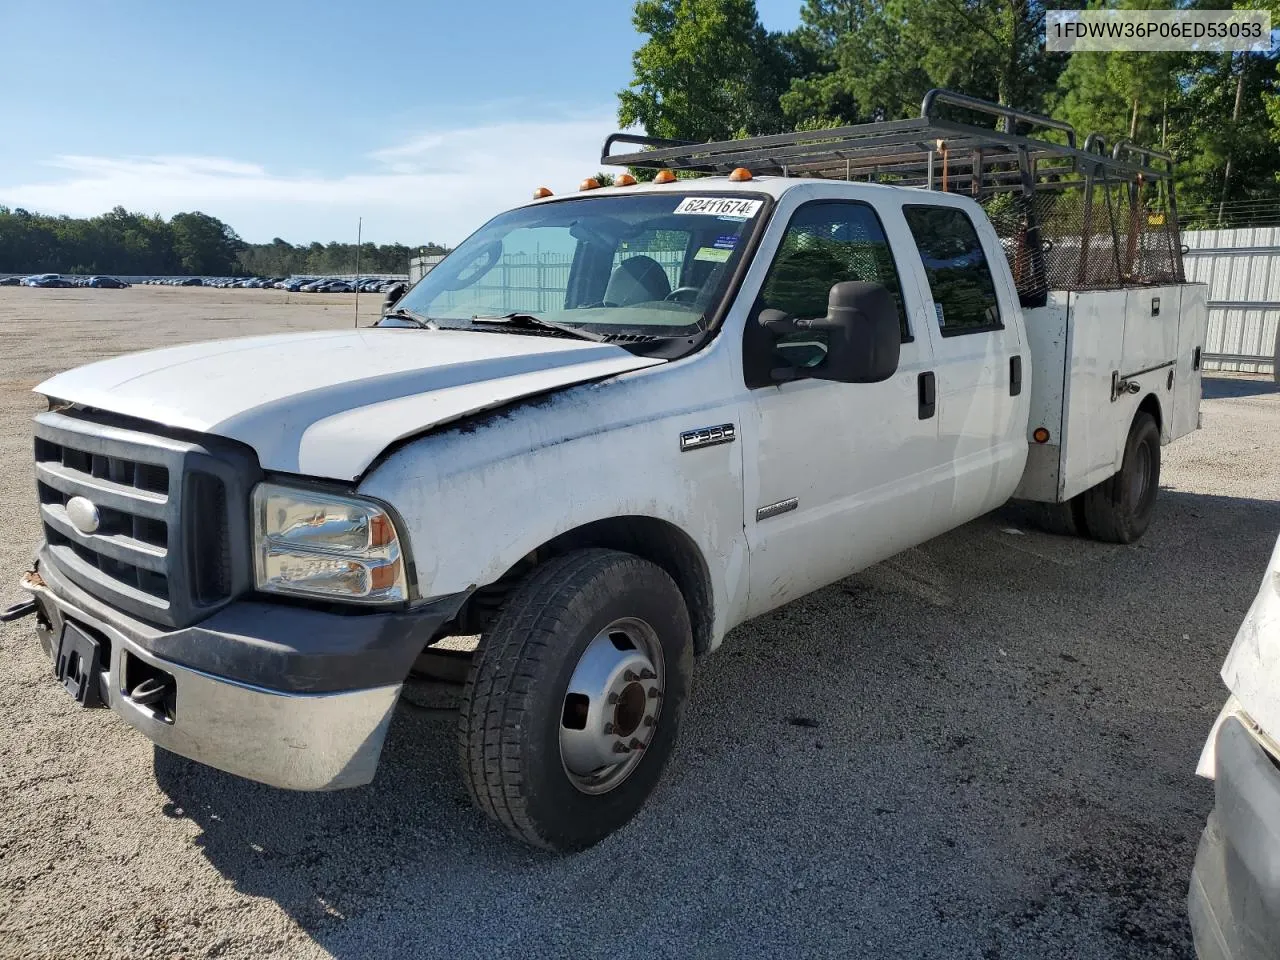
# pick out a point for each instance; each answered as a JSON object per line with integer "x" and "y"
{"x": 1052, "y": 186}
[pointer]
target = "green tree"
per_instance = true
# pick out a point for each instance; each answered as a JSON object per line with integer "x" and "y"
{"x": 879, "y": 57}
{"x": 204, "y": 244}
{"x": 121, "y": 242}
{"x": 708, "y": 70}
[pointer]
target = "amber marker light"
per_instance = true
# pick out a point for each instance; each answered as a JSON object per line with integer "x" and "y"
{"x": 540, "y": 193}
{"x": 740, "y": 175}
{"x": 665, "y": 176}
{"x": 1040, "y": 435}
{"x": 625, "y": 180}
{"x": 591, "y": 183}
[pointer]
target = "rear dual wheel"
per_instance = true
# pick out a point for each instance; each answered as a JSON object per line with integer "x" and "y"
{"x": 1119, "y": 509}
{"x": 574, "y": 699}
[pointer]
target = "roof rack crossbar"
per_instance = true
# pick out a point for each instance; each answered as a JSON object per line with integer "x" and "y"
{"x": 852, "y": 150}
{"x": 1010, "y": 115}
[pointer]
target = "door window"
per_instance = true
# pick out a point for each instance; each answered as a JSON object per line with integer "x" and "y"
{"x": 829, "y": 242}
{"x": 964, "y": 292}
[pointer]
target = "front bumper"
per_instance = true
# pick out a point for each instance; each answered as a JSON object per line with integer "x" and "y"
{"x": 288, "y": 696}
{"x": 1234, "y": 901}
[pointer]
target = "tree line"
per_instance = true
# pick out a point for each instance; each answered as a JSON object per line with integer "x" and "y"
{"x": 708, "y": 70}
{"x": 196, "y": 244}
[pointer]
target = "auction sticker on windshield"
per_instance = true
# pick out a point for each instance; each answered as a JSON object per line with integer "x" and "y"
{"x": 720, "y": 206}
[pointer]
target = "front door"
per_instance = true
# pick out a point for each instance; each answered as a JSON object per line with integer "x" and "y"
{"x": 838, "y": 475}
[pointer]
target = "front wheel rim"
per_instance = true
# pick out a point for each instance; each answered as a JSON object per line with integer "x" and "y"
{"x": 611, "y": 707}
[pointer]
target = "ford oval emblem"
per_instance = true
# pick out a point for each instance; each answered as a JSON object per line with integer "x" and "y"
{"x": 83, "y": 514}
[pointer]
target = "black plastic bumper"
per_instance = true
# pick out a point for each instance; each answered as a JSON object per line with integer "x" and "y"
{"x": 1234, "y": 901}
{"x": 279, "y": 646}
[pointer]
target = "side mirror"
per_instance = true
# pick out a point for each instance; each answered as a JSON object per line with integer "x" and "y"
{"x": 862, "y": 333}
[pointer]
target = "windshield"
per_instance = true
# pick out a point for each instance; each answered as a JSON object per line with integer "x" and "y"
{"x": 640, "y": 267}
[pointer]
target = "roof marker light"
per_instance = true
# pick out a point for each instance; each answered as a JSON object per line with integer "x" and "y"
{"x": 591, "y": 183}
{"x": 740, "y": 174}
{"x": 540, "y": 193}
{"x": 664, "y": 176}
{"x": 625, "y": 180}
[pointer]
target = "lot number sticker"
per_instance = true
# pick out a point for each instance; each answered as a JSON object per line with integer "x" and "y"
{"x": 720, "y": 206}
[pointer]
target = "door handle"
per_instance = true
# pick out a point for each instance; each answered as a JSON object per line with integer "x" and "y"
{"x": 928, "y": 390}
{"x": 1015, "y": 376}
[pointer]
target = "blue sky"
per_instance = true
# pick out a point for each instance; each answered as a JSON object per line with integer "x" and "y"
{"x": 293, "y": 119}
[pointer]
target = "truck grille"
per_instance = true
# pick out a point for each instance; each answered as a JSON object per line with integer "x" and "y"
{"x": 171, "y": 539}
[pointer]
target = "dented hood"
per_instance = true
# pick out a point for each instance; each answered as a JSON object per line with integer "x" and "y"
{"x": 325, "y": 404}
{"x": 1252, "y": 668}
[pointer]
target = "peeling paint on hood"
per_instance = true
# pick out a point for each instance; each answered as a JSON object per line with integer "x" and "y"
{"x": 326, "y": 404}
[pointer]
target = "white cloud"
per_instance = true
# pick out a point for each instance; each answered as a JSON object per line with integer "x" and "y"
{"x": 438, "y": 185}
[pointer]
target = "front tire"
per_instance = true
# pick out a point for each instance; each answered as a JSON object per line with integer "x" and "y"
{"x": 574, "y": 699}
{"x": 1119, "y": 509}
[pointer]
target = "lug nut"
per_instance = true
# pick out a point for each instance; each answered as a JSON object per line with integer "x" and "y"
{"x": 648, "y": 721}
{"x": 608, "y": 728}
{"x": 648, "y": 675}
{"x": 636, "y": 744}
{"x": 630, "y": 676}
{"x": 654, "y": 693}
{"x": 621, "y": 748}
{"x": 612, "y": 698}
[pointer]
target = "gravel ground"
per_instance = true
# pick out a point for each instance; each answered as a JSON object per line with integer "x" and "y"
{"x": 981, "y": 748}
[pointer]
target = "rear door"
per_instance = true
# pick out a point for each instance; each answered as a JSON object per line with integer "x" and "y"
{"x": 981, "y": 363}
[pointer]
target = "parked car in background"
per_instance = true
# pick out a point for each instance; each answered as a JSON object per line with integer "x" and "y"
{"x": 191, "y": 282}
{"x": 48, "y": 280}
{"x": 107, "y": 283}
{"x": 10, "y": 282}
{"x": 1234, "y": 899}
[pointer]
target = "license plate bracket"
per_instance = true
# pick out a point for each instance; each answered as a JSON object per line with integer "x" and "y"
{"x": 79, "y": 665}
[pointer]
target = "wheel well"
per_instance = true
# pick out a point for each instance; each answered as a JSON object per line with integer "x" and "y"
{"x": 661, "y": 543}
{"x": 654, "y": 540}
{"x": 1150, "y": 404}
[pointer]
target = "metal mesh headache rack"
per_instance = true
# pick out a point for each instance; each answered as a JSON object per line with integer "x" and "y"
{"x": 1071, "y": 216}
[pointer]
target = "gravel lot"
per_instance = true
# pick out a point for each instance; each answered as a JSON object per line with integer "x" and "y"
{"x": 982, "y": 748}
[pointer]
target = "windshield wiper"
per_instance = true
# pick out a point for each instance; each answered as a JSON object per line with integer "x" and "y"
{"x": 400, "y": 313}
{"x": 517, "y": 319}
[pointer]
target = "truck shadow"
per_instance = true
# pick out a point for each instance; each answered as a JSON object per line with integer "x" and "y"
{"x": 989, "y": 739}
{"x": 1226, "y": 388}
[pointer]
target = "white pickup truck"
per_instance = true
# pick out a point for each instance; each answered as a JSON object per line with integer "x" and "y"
{"x": 608, "y": 428}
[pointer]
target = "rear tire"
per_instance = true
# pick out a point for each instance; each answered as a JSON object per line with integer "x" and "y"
{"x": 522, "y": 733}
{"x": 1119, "y": 509}
{"x": 1059, "y": 519}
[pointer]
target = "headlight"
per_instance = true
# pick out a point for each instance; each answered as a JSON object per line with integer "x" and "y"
{"x": 319, "y": 545}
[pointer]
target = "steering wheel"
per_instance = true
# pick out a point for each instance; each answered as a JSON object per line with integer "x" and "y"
{"x": 683, "y": 294}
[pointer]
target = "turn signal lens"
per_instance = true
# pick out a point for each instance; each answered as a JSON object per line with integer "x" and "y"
{"x": 1040, "y": 435}
{"x": 665, "y": 176}
{"x": 589, "y": 184}
{"x": 739, "y": 175}
{"x": 540, "y": 193}
{"x": 625, "y": 180}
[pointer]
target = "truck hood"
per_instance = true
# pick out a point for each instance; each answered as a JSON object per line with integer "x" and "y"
{"x": 325, "y": 404}
{"x": 1252, "y": 668}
